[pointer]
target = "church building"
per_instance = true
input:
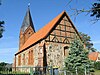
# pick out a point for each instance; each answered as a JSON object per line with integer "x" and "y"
{"x": 49, "y": 45}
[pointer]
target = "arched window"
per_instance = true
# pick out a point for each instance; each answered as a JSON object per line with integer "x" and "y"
{"x": 19, "y": 60}
{"x": 23, "y": 59}
{"x": 66, "y": 51}
{"x": 29, "y": 58}
{"x": 32, "y": 58}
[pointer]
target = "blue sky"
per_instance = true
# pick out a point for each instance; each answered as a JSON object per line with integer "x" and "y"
{"x": 42, "y": 11}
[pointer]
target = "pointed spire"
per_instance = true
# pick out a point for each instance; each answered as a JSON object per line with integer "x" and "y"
{"x": 27, "y": 21}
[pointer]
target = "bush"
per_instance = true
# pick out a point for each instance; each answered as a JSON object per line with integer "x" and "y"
{"x": 97, "y": 65}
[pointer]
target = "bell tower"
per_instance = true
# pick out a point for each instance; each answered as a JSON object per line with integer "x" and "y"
{"x": 27, "y": 29}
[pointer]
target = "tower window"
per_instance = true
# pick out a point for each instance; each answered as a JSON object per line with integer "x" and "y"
{"x": 29, "y": 33}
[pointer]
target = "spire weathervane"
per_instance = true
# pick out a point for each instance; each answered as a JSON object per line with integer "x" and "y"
{"x": 28, "y": 4}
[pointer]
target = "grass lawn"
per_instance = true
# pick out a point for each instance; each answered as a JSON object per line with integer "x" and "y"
{"x": 13, "y": 73}
{"x": 97, "y": 72}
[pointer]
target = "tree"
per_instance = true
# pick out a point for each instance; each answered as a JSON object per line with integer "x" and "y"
{"x": 1, "y": 28}
{"x": 78, "y": 58}
{"x": 2, "y": 66}
{"x": 97, "y": 65}
{"x": 87, "y": 41}
{"x": 94, "y": 10}
{"x": 0, "y": 2}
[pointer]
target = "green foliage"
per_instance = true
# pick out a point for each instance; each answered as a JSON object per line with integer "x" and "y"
{"x": 97, "y": 65}
{"x": 96, "y": 9}
{"x": 1, "y": 28}
{"x": 2, "y": 65}
{"x": 78, "y": 58}
{"x": 0, "y": 2}
{"x": 97, "y": 72}
{"x": 6, "y": 72}
{"x": 87, "y": 41}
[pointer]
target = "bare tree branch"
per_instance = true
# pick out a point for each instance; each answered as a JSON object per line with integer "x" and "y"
{"x": 95, "y": 20}
{"x": 0, "y": 2}
{"x": 94, "y": 11}
{"x": 69, "y": 2}
{"x": 79, "y": 11}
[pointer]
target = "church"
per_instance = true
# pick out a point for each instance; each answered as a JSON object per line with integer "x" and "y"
{"x": 49, "y": 45}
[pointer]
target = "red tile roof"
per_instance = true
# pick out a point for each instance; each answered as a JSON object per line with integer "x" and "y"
{"x": 42, "y": 33}
{"x": 93, "y": 56}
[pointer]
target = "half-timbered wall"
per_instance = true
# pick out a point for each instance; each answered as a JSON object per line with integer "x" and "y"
{"x": 62, "y": 33}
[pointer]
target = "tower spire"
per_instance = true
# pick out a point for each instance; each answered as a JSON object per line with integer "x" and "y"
{"x": 27, "y": 21}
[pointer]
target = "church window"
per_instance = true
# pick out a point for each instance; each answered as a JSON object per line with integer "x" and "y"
{"x": 29, "y": 33}
{"x": 32, "y": 58}
{"x": 29, "y": 58}
{"x": 23, "y": 59}
{"x": 66, "y": 51}
{"x": 19, "y": 60}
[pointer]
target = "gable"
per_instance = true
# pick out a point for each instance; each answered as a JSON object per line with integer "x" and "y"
{"x": 63, "y": 32}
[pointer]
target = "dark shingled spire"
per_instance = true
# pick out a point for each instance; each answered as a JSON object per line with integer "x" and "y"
{"x": 27, "y": 21}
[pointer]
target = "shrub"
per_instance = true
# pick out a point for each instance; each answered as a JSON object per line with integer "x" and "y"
{"x": 97, "y": 65}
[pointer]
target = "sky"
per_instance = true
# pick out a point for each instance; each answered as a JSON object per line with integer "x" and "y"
{"x": 42, "y": 12}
